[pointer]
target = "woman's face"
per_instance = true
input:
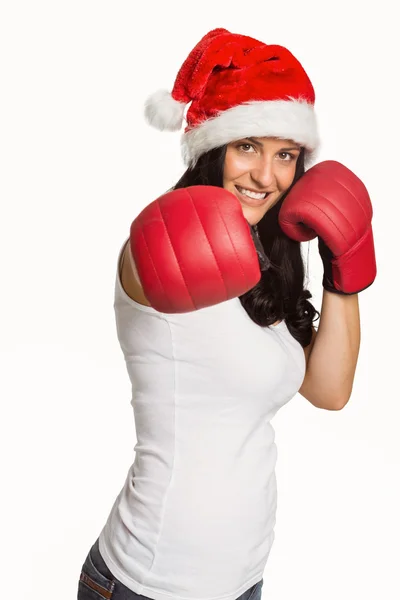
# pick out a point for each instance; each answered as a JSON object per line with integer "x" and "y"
{"x": 259, "y": 171}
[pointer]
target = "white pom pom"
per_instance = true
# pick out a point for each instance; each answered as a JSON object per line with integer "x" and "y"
{"x": 163, "y": 112}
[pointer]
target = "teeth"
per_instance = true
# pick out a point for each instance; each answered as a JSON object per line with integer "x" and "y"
{"x": 255, "y": 195}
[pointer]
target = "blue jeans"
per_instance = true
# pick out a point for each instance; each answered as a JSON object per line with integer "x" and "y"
{"x": 96, "y": 582}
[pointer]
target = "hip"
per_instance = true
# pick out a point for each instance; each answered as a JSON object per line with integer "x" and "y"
{"x": 97, "y": 582}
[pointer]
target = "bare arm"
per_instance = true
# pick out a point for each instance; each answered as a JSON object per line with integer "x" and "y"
{"x": 130, "y": 279}
{"x": 332, "y": 356}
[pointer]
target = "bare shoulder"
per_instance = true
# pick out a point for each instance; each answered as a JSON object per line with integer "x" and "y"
{"x": 129, "y": 280}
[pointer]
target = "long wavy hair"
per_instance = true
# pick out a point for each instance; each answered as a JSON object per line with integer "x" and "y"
{"x": 280, "y": 293}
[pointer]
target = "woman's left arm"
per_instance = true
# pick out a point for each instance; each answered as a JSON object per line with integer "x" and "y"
{"x": 331, "y": 203}
{"x": 331, "y": 357}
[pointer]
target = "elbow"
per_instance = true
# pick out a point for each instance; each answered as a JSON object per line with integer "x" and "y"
{"x": 331, "y": 402}
{"x": 324, "y": 396}
{"x": 345, "y": 396}
{"x": 338, "y": 405}
{"x": 340, "y": 400}
{"x": 342, "y": 403}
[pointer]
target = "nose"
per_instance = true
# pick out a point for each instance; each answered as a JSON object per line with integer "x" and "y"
{"x": 263, "y": 173}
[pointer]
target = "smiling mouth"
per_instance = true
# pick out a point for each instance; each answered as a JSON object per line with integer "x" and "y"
{"x": 251, "y": 198}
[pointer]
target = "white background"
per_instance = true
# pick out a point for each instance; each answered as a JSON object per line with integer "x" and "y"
{"x": 78, "y": 162}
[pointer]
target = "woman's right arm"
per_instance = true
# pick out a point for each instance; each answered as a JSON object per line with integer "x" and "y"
{"x": 130, "y": 279}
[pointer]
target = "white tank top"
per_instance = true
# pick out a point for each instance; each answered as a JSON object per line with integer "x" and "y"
{"x": 195, "y": 518}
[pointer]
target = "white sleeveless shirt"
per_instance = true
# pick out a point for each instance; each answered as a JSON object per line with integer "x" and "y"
{"x": 195, "y": 518}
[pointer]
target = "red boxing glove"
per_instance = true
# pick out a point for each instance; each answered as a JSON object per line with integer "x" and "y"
{"x": 193, "y": 248}
{"x": 330, "y": 202}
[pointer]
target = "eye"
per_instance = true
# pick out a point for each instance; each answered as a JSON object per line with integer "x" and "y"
{"x": 247, "y": 148}
{"x": 287, "y": 156}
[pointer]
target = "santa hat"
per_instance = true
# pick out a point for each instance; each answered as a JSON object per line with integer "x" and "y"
{"x": 237, "y": 87}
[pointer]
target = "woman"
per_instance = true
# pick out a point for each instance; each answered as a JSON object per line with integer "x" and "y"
{"x": 217, "y": 328}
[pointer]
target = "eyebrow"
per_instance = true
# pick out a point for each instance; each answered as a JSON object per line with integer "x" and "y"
{"x": 257, "y": 143}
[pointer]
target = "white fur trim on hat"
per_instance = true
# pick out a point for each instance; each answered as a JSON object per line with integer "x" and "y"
{"x": 286, "y": 119}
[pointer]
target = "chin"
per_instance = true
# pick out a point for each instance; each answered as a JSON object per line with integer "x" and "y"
{"x": 253, "y": 216}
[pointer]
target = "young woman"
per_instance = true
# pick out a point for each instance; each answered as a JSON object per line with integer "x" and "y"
{"x": 217, "y": 328}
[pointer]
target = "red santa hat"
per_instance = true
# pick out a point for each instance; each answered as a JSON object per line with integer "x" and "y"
{"x": 237, "y": 87}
